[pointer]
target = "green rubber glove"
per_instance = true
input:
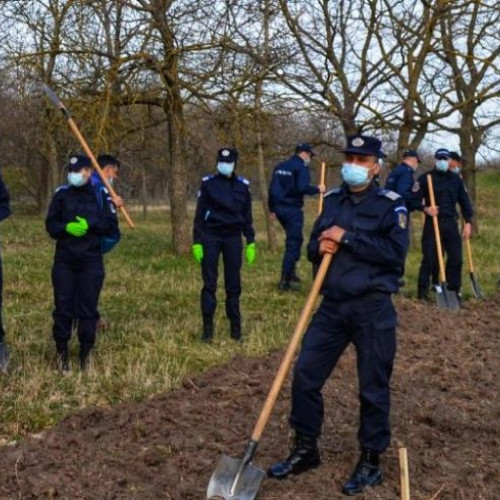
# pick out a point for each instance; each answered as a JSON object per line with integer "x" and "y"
{"x": 74, "y": 229}
{"x": 82, "y": 222}
{"x": 251, "y": 253}
{"x": 197, "y": 250}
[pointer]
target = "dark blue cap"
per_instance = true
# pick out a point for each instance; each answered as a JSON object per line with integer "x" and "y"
{"x": 104, "y": 160}
{"x": 77, "y": 162}
{"x": 227, "y": 155}
{"x": 304, "y": 146}
{"x": 411, "y": 153}
{"x": 455, "y": 156}
{"x": 364, "y": 145}
{"x": 442, "y": 154}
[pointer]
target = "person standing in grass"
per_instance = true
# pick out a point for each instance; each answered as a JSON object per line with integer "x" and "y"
{"x": 4, "y": 213}
{"x": 365, "y": 227}
{"x": 78, "y": 221}
{"x": 223, "y": 214}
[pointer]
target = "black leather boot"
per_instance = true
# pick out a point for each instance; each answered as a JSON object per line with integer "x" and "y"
{"x": 84, "y": 357}
{"x": 4, "y": 356}
{"x": 303, "y": 456}
{"x": 62, "y": 358}
{"x": 284, "y": 282}
{"x": 235, "y": 331}
{"x": 208, "y": 329}
{"x": 367, "y": 473}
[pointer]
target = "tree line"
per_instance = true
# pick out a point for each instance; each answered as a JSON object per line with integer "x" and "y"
{"x": 163, "y": 84}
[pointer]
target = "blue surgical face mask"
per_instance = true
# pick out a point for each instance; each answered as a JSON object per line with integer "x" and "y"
{"x": 225, "y": 168}
{"x": 442, "y": 165}
{"x": 76, "y": 179}
{"x": 354, "y": 175}
{"x": 456, "y": 170}
{"x": 307, "y": 161}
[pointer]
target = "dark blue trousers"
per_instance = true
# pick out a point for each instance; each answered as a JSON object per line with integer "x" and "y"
{"x": 77, "y": 285}
{"x": 230, "y": 248}
{"x": 451, "y": 241}
{"x": 370, "y": 324}
{"x": 292, "y": 221}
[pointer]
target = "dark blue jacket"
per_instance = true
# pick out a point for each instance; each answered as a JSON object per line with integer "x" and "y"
{"x": 290, "y": 182}
{"x": 449, "y": 189}
{"x": 224, "y": 208}
{"x": 373, "y": 249}
{"x": 4, "y": 201}
{"x": 69, "y": 202}
{"x": 401, "y": 181}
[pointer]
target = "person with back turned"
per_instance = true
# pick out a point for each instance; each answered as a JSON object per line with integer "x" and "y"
{"x": 365, "y": 227}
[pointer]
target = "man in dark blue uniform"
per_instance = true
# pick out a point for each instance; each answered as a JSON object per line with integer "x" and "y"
{"x": 78, "y": 221}
{"x": 401, "y": 179}
{"x": 223, "y": 213}
{"x": 289, "y": 184}
{"x": 4, "y": 213}
{"x": 449, "y": 190}
{"x": 456, "y": 163}
{"x": 366, "y": 228}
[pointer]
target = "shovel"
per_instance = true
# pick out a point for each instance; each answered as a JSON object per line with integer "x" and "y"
{"x": 476, "y": 290}
{"x": 235, "y": 479}
{"x": 446, "y": 299}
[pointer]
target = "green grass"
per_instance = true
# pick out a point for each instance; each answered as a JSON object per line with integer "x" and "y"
{"x": 152, "y": 301}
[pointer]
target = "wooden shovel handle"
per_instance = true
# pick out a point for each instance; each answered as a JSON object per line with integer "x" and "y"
{"x": 95, "y": 164}
{"x": 404, "y": 476}
{"x": 291, "y": 349}
{"x": 322, "y": 183}
{"x": 469, "y": 255}
{"x": 442, "y": 274}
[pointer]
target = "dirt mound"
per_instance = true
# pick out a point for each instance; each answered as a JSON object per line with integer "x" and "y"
{"x": 445, "y": 410}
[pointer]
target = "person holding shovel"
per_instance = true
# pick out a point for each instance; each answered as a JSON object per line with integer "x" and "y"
{"x": 365, "y": 227}
{"x": 223, "y": 214}
{"x": 449, "y": 191}
{"x": 78, "y": 221}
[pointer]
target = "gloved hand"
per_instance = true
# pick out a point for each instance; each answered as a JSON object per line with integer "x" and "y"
{"x": 197, "y": 250}
{"x": 77, "y": 229}
{"x": 251, "y": 253}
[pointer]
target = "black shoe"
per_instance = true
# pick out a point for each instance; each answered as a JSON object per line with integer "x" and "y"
{"x": 236, "y": 331}
{"x": 63, "y": 359}
{"x": 84, "y": 357}
{"x": 208, "y": 329}
{"x": 294, "y": 278}
{"x": 4, "y": 357}
{"x": 367, "y": 473}
{"x": 303, "y": 456}
{"x": 284, "y": 283}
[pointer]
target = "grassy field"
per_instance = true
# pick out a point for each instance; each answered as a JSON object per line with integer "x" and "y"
{"x": 151, "y": 299}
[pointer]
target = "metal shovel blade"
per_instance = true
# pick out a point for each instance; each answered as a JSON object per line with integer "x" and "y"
{"x": 447, "y": 299}
{"x": 476, "y": 290}
{"x": 222, "y": 483}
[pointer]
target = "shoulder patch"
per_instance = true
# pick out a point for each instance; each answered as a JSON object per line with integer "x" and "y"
{"x": 336, "y": 190}
{"x": 242, "y": 179}
{"x": 62, "y": 188}
{"x": 207, "y": 178}
{"x": 389, "y": 194}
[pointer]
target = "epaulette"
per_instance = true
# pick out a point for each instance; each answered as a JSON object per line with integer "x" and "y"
{"x": 62, "y": 188}
{"x": 207, "y": 178}
{"x": 242, "y": 179}
{"x": 333, "y": 191}
{"x": 389, "y": 194}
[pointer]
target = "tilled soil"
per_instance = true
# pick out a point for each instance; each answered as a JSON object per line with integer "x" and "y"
{"x": 446, "y": 411}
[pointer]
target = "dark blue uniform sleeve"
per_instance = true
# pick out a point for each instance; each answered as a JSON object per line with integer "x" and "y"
{"x": 199, "y": 216}
{"x": 388, "y": 248}
{"x": 248, "y": 230}
{"x": 303, "y": 182}
{"x": 313, "y": 245}
{"x": 54, "y": 223}
{"x": 4, "y": 201}
{"x": 464, "y": 202}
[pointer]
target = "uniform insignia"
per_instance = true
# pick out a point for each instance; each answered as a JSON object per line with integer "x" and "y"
{"x": 333, "y": 191}
{"x": 416, "y": 187}
{"x": 206, "y": 178}
{"x": 245, "y": 181}
{"x": 73, "y": 160}
{"x": 225, "y": 152}
{"x": 390, "y": 194}
{"x": 357, "y": 142}
{"x": 62, "y": 188}
{"x": 402, "y": 220}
